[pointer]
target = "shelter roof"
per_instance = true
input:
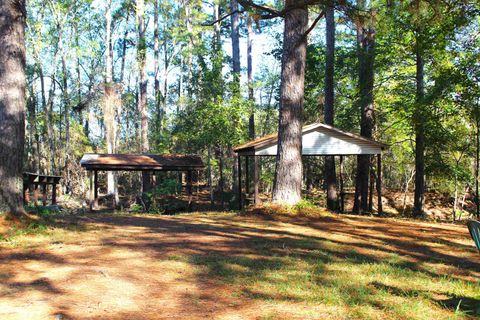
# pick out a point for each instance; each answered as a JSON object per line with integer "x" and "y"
{"x": 141, "y": 162}
{"x": 317, "y": 139}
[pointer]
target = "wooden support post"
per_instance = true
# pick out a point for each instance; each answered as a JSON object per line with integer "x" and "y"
{"x": 198, "y": 183}
{"x": 26, "y": 193}
{"x": 95, "y": 189}
{"x": 91, "y": 197}
{"x": 240, "y": 200}
{"x": 189, "y": 189}
{"x": 342, "y": 191}
{"x": 372, "y": 185}
{"x": 35, "y": 194}
{"x": 44, "y": 194}
{"x": 54, "y": 194}
{"x": 379, "y": 183}
{"x": 154, "y": 186}
{"x": 247, "y": 175}
{"x": 256, "y": 178}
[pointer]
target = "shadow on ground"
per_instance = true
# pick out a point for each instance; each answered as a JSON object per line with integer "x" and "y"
{"x": 221, "y": 265}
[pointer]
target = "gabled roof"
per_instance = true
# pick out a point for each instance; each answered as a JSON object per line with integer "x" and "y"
{"x": 272, "y": 139}
{"x": 141, "y": 162}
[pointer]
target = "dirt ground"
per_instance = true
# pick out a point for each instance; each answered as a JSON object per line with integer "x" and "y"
{"x": 143, "y": 267}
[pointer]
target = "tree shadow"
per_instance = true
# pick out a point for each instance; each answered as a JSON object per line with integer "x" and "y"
{"x": 244, "y": 255}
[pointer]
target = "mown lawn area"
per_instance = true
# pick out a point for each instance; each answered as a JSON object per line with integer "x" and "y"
{"x": 230, "y": 266}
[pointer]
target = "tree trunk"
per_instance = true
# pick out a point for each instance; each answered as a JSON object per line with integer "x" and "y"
{"x": 109, "y": 103}
{"x": 366, "y": 59}
{"x": 251, "y": 97}
{"x": 142, "y": 80}
{"x": 124, "y": 49}
{"x": 288, "y": 173}
{"x": 477, "y": 162}
{"x": 235, "y": 35}
{"x": 419, "y": 134}
{"x": 156, "y": 62}
{"x": 329, "y": 109}
{"x": 12, "y": 104}
{"x": 166, "y": 63}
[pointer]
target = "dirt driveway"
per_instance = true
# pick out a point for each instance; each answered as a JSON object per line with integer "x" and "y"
{"x": 226, "y": 266}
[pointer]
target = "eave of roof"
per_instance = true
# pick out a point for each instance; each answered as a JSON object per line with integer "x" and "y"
{"x": 141, "y": 162}
{"x": 271, "y": 139}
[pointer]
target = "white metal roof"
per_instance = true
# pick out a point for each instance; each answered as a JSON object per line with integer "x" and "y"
{"x": 317, "y": 139}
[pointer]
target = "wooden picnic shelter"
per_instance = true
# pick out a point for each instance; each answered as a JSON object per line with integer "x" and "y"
{"x": 145, "y": 163}
{"x": 32, "y": 182}
{"x": 318, "y": 139}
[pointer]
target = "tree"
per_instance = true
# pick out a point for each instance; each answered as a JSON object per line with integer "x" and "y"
{"x": 142, "y": 85}
{"x": 330, "y": 176}
{"x": 109, "y": 108}
{"x": 289, "y": 168}
{"x": 366, "y": 74}
{"x": 12, "y": 104}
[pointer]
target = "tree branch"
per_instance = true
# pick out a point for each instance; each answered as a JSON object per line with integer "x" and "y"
{"x": 272, "y": 13}
{"x": 314, "y": 24}
{"x": 208, "y": 24}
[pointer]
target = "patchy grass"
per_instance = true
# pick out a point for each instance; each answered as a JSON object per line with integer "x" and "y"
{"x": 227, "y": 266}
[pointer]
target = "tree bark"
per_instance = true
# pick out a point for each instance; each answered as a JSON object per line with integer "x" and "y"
{"x": 236, "y": 68}
{"x": 251, "y": 97}
{"x": 329, "y": 109}
{"x": 142, "y": 80}
{"x": 477, "y": 161}
{"x": 109, "y": 102}
{"x": 235, "y": 35}
{"x": 289, "y": 168}
{"x": 156, "y": 63}
{"x": 366, "y": 59}
{"x": 419, "y": 133}
{"x": 12, "y": 104}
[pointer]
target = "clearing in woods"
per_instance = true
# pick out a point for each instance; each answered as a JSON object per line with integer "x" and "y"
{"x": 228, "y": 266}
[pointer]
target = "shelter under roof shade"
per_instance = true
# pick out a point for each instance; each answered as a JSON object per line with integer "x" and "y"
{"x": 317, "y": 140}
{"x": 141, "y": 162}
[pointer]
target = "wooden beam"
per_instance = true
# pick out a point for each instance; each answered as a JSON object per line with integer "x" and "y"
{"x": 256, "y": 178}
{"x": 342, "y": 191}
{"x": 379, "y": 184}
{"x": 247, "y": 175}
{"x": 54, "y": 194}
{"x": 35, "y": 194}
{"x": 240, "y": 201}
{"x": 372, "y": 185}
{"x": 95, "y": 189}
{"x": 189, "y": 189}
{"x": 44, "y": 194}
{"x": 26, "y": 193}
{"x": 91, "y": 198}
{"x": 154, "y": 186}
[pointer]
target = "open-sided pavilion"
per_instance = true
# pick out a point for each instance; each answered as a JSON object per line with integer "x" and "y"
{"x": 318, "y": 139}
{"x": 145, "y": 163}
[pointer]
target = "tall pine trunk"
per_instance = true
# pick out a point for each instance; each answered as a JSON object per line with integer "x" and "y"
{"x": 12, "y": 104}
{"x": 156, "y": 62}
{"x": 251, "y": 97}
{"x": 109, "y": 102}
{"x": 288, "y": 172}
{"x": 366, "y": 59}
{"x": 142, "y": 77}
{"x": 142, "y": 84}
{"x": 329, "y": 109}
{"x": 419, "y": 133}
{"x": 236, "y": 68}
